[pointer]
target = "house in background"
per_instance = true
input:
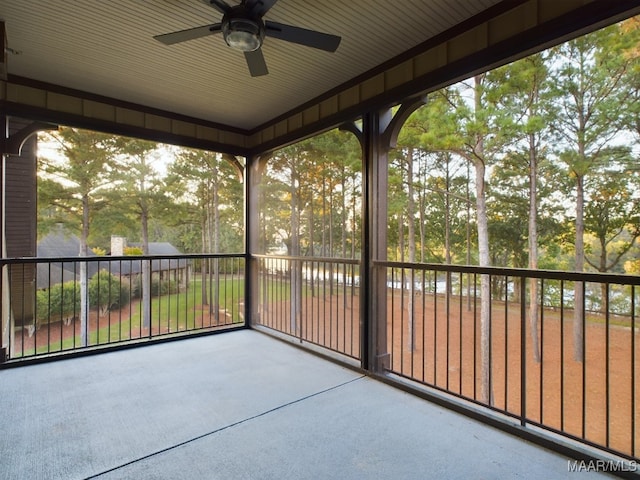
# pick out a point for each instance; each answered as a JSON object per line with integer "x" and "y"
{"x": 61, "y": 244}
{"x": 165, "y": 269}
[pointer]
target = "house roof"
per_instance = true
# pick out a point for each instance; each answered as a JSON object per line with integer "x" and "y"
{"x": 59, "y": 243}
{"x": 133, "y": 266}
{"x": 159, "y": 248}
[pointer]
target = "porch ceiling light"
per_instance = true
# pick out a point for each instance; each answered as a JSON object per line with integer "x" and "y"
{"x": 243, "y": 34}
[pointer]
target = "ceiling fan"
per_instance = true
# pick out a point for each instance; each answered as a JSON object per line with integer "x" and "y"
{"x": 244, "y": 29}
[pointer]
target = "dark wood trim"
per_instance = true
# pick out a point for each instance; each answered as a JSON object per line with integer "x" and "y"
{"x": 389, "y": 138}
{"x": 3, "y": 59}
{"x": 79, "y": 121}
{"x": 15, "y": 141}
{"x": 353, "y": 128}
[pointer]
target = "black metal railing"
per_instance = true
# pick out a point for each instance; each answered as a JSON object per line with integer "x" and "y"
{"x": 57, "y": 305}
{"x": 556, "y": 351}
{"x": 468, "y": 331}
{"x": 572, "y": 370}
{"x": 316, "y": 300}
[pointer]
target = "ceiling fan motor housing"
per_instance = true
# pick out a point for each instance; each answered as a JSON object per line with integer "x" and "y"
{"x": 242, "y": 32}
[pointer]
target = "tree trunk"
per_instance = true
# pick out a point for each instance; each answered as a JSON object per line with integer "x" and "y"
{"x": 213, "y": 310}
{"x": 422, "y": 224}
{"x": 146, "y": 268}
{"x": 343, "y": 209}
{"x": 354, "y": 217}
{"x": 468, "y": 237}
{"x": 578, "y": 310}
{"x": 324, "y": 218}
{"x": 216, "y": 245}
{"x": 296, "y": 269}
{"x": 485, "y": 287}
{"x": 533, "y": 247}
{"x": 447, "y": 228}
{"x": 311, "y": 219}
{"x": 412, "y": 246}
{"x": 203, "y": 262}
{"x": 484, "y": 259}
{"x": 84, "y": 280}
{"x": 603, "y": 268}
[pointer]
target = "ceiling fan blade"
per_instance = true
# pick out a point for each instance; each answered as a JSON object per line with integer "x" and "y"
{"x": 219, "y": 5}
{"x": 259, "y": 7}
{"x": 189, "y": 34}
{"x": 302, "y": 36}
{"x": 256, "y": 63}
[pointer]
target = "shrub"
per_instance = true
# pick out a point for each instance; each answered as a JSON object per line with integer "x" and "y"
{"x": 107, "y": 291}
{"x": 158, "y": 287}
{"x": 132, "y": 251}
{"x": 61, "y": 300}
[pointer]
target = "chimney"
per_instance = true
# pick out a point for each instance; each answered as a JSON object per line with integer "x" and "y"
{"x": 117, "y": 245}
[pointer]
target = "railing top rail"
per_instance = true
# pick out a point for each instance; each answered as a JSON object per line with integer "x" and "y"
{"x": 616, "y": 278}
{"x": 349, "y": 261}
{"x": 112, "y": 258}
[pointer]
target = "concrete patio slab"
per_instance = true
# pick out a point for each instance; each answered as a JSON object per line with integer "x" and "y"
{"x": 240, "y": 405}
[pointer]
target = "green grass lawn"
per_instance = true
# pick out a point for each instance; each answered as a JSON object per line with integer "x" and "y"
{"x": 177, "y": 312}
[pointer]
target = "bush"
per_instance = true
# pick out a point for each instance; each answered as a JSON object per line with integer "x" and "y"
{"x": 107, "y": 291}
{"x": 158, "y": 287}
{"x": 61, "y": 300}
{"x": 132, "y": 251}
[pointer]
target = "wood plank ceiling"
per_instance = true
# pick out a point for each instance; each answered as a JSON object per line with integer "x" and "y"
{"x": 106, "y": 48}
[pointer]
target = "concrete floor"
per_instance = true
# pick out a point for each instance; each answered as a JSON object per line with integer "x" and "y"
{"x": 240, "y": 405}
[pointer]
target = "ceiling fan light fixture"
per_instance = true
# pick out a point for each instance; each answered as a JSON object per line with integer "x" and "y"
{"x": 243, "y": 34}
